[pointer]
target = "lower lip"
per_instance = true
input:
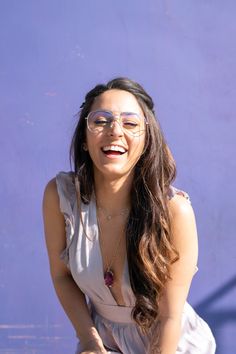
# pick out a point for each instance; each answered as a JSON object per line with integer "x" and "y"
{"x": 113, "y": 155}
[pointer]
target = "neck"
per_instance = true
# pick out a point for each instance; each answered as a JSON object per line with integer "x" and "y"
{"x": 113, "y": 195}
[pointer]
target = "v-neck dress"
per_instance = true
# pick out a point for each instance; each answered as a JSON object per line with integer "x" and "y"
{"x": 82, "y": 254}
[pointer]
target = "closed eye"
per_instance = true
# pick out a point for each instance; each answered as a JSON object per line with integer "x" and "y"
{"x": 130, "y": 124}
{"x": 101, "y": 122}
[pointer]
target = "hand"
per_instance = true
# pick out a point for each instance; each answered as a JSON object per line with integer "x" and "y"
{"x": 153, "y": 345}
{"x": 154, "y": 349}
{"x": 96, "y": 351}
{"x": 94, "y": 346}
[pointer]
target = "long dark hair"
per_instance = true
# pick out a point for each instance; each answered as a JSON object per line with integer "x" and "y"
{"x": 150, "y": 250}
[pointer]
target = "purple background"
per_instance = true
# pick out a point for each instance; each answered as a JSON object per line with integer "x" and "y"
{"x": 52, "y": 53}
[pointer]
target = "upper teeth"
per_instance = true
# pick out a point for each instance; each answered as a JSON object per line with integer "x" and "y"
{"x": 114, "y": 148}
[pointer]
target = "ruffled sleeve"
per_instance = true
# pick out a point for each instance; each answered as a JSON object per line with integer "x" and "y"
{"x": 67, "y": 198}
{"x": 173, "y": 191}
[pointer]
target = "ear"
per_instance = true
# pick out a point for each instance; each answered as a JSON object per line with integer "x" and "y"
{"x": 85, "y": 147}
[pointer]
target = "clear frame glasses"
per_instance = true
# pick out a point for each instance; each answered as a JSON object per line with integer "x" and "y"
{"x": 100, "y": 121}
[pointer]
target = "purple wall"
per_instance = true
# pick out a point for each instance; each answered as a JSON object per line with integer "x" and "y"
{"x": 52, "y": 52}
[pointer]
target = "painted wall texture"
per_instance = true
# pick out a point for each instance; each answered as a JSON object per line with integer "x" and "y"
{"x": 52, "y": 52}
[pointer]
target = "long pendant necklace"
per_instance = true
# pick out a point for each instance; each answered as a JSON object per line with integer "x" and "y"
{"x": 109, "y": 276}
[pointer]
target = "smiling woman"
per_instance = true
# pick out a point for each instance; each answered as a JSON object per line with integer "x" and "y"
{"x": 120, "y": 235}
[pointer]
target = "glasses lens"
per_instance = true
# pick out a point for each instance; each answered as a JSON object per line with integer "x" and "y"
{"x": 99, "y": 120}
{"x": 133, "y": 123}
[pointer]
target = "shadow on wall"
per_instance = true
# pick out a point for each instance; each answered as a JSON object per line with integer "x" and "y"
{"x": 218, "y": 319}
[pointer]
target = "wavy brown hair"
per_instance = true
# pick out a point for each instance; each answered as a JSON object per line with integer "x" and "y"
{"x": 150, "y": 250}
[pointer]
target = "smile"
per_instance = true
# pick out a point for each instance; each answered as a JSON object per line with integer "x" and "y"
{"x": 113, "y": 150}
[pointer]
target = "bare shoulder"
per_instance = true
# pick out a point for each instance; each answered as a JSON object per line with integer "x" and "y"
{"x": 183, "y": 223}
{"x": 51, "y": 202}
{"x": 180, "y": 207}
{"x": 50, "y": 192}
{"x": 52, "y": 215}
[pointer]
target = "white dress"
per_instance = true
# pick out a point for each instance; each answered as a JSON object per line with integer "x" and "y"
{"x": 114, "y": 323}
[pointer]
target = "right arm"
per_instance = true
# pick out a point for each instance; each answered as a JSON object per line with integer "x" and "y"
{"x": 70, "y": 296}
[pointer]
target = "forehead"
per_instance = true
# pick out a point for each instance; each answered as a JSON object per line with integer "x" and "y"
{"x": 117, "y": 101}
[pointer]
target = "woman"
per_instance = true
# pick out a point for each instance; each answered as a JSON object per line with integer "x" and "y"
{"x": 130, "y": 241}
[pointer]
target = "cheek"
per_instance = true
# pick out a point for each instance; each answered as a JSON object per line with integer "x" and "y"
{"x": 93, "y": 142}
{"x": 136, "y": 149}
{"x": 139, "y": 143}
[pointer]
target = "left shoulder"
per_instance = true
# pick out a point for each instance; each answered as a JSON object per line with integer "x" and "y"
{"x": 183, "y": 223}
{"x": 173, "y": 191}
{"x": 179, "y": 203}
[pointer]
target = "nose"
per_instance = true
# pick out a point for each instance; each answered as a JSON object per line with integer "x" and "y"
{"x": 115, "y": 128}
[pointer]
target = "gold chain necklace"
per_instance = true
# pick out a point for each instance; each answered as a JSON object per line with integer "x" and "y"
{"x": 109, "y": 276}
{"x": 108, "y": 216}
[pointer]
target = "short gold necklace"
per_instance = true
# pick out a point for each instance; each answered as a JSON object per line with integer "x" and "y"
{"x": 109, "y": 276}
{"x": 108, "y": 216}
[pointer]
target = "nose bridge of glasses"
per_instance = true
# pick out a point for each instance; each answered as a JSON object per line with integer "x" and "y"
{"x": 116, "y": 117}
{"x": 116, "y": 125}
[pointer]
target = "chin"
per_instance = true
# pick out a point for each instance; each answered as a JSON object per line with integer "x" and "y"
{"x": 114, "y": 174}
{"x": 113, "y": 171}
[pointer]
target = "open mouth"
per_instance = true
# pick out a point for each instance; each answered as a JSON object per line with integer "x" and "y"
{"x": 113, "y": 150}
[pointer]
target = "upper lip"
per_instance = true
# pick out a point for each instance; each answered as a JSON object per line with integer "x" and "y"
{"x": 115, "y": 147}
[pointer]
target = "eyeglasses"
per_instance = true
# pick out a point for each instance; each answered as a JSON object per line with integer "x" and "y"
{"x": 100, "y": 121}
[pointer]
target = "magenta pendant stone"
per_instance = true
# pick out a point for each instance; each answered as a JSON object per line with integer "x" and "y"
{"x": 109, "y": 278}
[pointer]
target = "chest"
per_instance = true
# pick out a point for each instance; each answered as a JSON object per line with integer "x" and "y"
{"x": 94, "y": 248}
{"x": 112, "y": 242}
